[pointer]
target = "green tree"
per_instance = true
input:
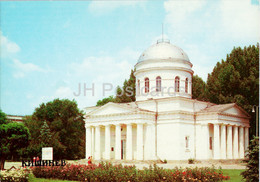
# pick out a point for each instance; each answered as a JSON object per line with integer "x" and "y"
{"x": 105, "y": 101}
{"x": 127, "y": 92}
{"x": 237, "y": 80}
{"x": 66, "y": 124}
{"x": 45, "y": 135}
{"x": 252, "y": 171}
{"x": 13, "y": 137}
{"x": 198, "y": 88}
{"x": 3, "y": 118}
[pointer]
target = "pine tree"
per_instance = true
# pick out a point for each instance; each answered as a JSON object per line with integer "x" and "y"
{"x": 45, "y": 135}
{"x": 252, "y": 171}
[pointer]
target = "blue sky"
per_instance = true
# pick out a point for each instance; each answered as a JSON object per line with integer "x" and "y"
{"x": 50, "y": 48}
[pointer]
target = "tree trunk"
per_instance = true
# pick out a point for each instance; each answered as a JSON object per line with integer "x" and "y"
{"x": 2, "y": 163}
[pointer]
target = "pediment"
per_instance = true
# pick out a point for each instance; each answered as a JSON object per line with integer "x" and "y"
{"x": 236, "y": 110}
{"x": 111, "y": 108}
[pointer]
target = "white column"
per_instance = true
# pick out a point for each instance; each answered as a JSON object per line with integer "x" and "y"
{"x": 235, "y": 142}
{"x": 129, "y": 145}
{"x": 97, "y": 143}
{"x": 206, "y": 140}
{"x": 199, "y": 144}
{"x": 246, "y": 138}
{"x": 107, "y": 142}
{"x": 223, "y": 143}
{"x": 216, "y": 144}
{"x": 88, "y": 142}
{"x": 229, "y": 142}
{"x": 140, "y": 142}
{"x": 93, "y": 141}
{"x": 190, "y": 86}
{"x": 118, "y": 142}
{"x": 241, "y": 143}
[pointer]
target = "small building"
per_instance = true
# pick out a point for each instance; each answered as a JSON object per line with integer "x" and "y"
{"x": 165, "y": 122}
{"x": 15, "y": 118}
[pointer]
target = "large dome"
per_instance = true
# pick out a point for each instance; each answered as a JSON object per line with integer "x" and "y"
{"x": 163, "y": 50}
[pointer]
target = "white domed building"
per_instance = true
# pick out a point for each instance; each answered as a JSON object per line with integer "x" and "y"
{"x": 165, "y": 122}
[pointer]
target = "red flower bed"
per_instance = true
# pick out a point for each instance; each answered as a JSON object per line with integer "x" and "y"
{"x": 106, "y": 172}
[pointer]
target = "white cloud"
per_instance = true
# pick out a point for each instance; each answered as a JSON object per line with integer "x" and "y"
{"x": 7, "y": 47}
{"x": 179, "y": 9}
{"x": 21, "y": 69}
{"x": 104, "y": 7}
{"x": 208, "y": 30}
{"x": 98, "y": 70}
{"x": 212, "y": 20}
{"x": 240, "y": 19}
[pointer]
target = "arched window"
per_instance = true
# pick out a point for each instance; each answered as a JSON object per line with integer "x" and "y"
{"x": 146, "y": 82}
{"x": 186, "y": 85}
{"x": 158, "y": 84}
{"x": 177, "y": 84}
{"x": 138, "y": 87}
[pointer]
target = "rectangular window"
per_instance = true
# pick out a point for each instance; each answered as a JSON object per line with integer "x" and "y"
{"x": 187, "y": 142}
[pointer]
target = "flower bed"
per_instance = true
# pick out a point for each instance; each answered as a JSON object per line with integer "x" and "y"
{"x": 15, "y": 175}
{"x": 107, "y": 172}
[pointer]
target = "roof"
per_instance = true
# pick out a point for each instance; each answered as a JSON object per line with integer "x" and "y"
{"x": 163, "y": 50}
{"x": 221, "y": 108}
{"x": 131, "y": 106}
{"x": 217, "y": 108}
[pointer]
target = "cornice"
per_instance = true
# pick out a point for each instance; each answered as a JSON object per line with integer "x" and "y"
{"x": 164, "y": 68}
{"x": 164, "y": 60}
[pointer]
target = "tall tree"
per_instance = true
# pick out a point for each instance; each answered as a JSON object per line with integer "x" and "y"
{"x": 66, "y": 124}
{"x": 13, "y": 137}
{"x": 198, "y": 88}
{"x": 127, "y": 92}
{"x": 237, "y": 80}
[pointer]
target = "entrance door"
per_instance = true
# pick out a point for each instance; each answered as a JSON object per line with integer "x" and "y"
{"x": 123, "y": 149}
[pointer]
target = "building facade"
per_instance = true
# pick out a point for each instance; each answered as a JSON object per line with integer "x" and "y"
{"x": 165, "y": 122}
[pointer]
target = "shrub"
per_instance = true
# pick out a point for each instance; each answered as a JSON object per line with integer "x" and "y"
{"x": 191, "y": 161}
{"x": 252, "y": 171}
{"x": 107, "y": 172}
{"x": 15, "y": 175}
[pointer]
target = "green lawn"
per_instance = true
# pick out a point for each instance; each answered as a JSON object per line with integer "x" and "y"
{"x": 234, "y": 174}
{"x": 33, "y": 179}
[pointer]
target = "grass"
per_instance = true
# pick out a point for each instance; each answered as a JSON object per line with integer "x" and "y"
{"x": 234, "y": 174}
{"x": 33, "y": 179}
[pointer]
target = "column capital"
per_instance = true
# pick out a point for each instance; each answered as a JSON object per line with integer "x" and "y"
{"x": 88, "y": 126}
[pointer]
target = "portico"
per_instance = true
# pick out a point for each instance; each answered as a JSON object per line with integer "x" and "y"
{"x": 229, "y": 141}
{"x": 116, "y": 141}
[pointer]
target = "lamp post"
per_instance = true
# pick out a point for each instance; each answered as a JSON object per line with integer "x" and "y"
{"x": 255, "y": 109}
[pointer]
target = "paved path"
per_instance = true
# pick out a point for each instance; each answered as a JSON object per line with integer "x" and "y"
{"x": 182, "y": 164}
